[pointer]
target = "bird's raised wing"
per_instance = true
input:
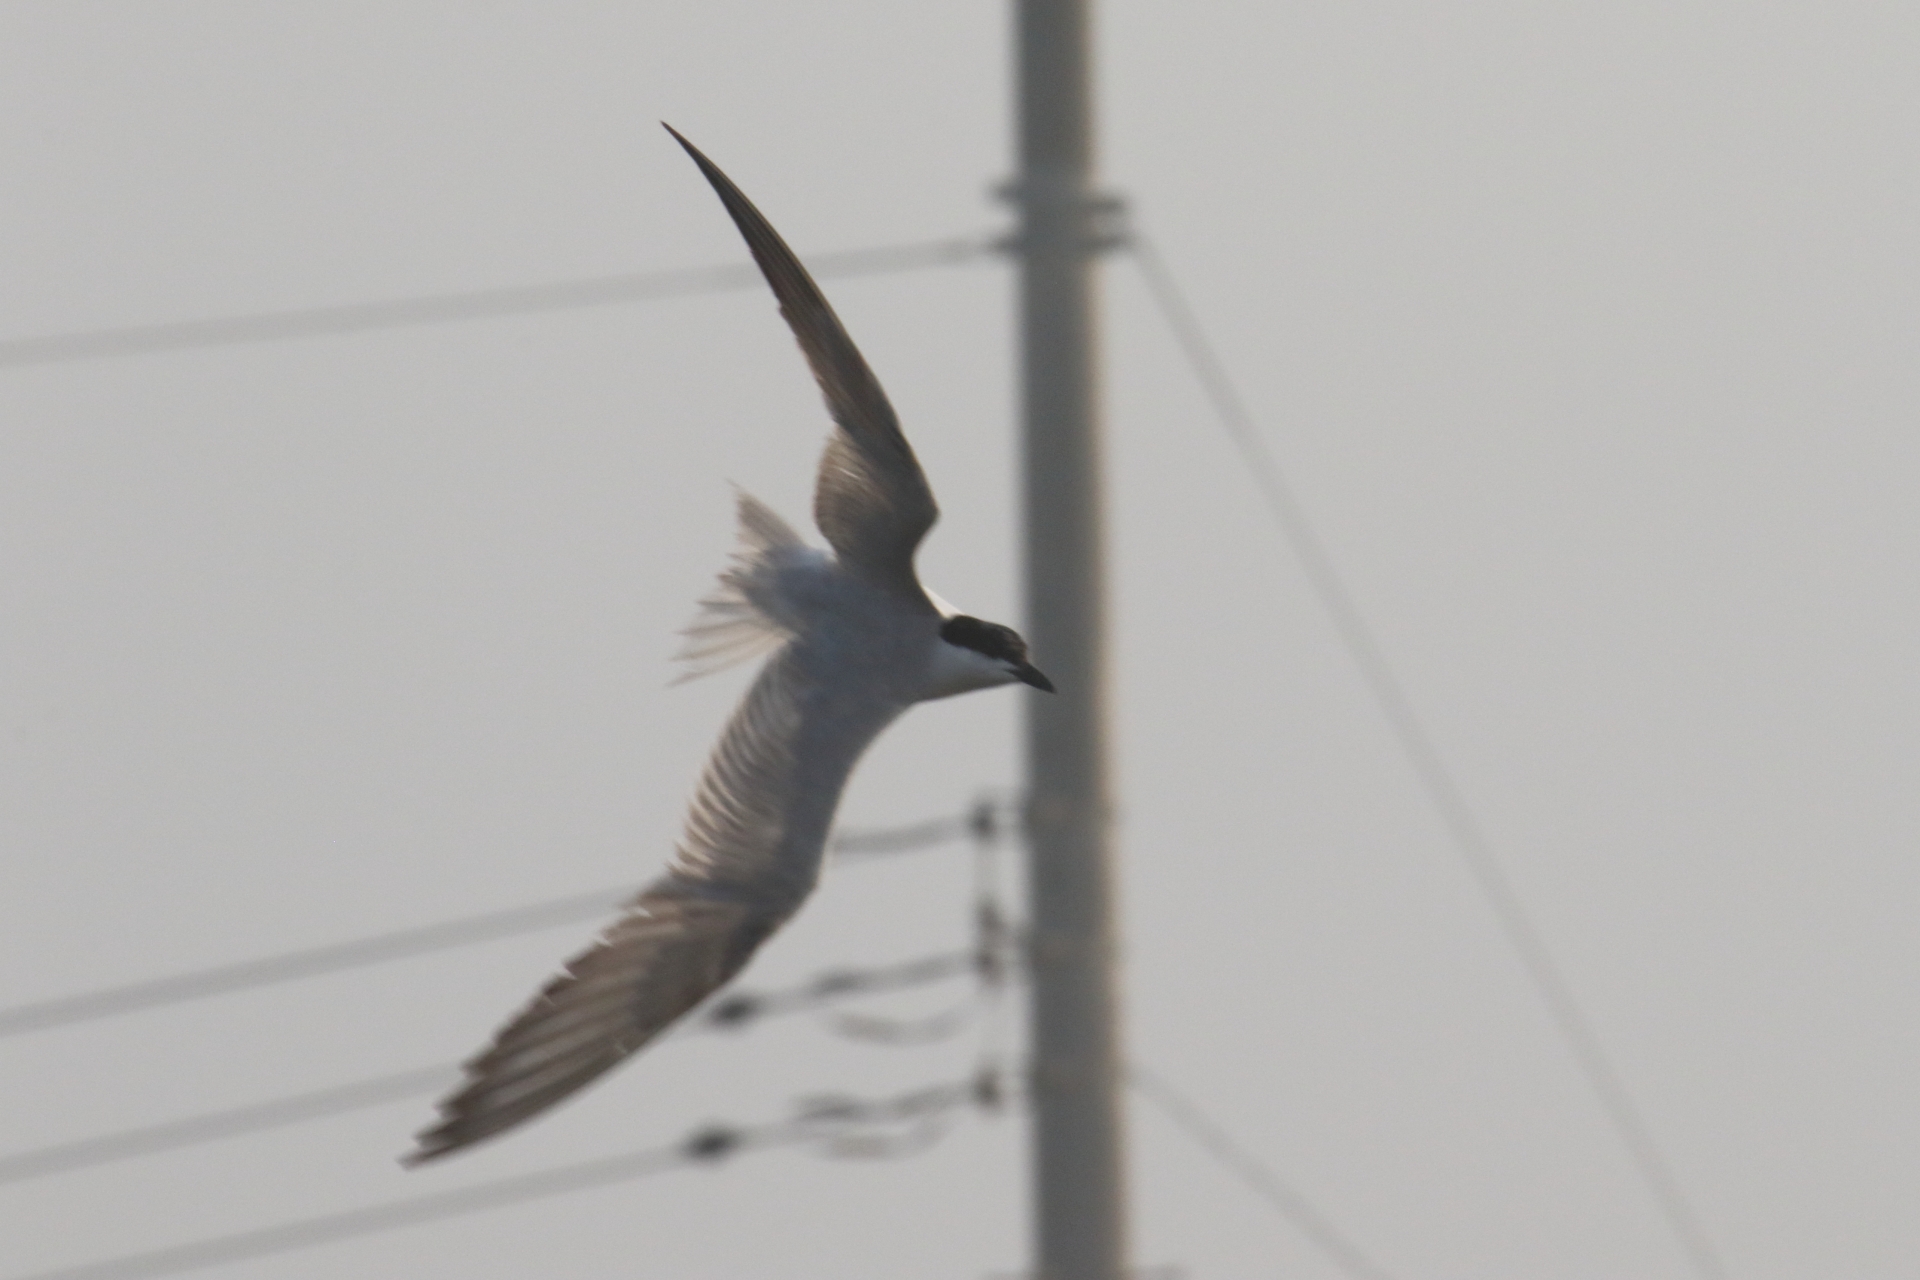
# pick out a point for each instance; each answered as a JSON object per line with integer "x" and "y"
{"x": 872, "y": 500}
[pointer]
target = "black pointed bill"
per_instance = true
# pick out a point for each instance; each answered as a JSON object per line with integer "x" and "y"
{"x": 1030, "y": 674}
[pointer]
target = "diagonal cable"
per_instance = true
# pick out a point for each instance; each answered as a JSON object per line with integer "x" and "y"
{"x": 88, "y": 1006}
{"x": 1447, "y": 797}
{"x": 478, "y": 304}
{"x": 1251, "y": 1170}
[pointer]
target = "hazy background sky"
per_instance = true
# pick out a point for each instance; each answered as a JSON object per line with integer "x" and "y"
{"x": 1586, "y": 332}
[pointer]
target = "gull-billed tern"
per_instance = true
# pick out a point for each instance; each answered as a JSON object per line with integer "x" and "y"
{"x": 854, "y": 640}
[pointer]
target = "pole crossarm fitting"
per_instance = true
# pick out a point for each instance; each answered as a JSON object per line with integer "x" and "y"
{"x": 1105, "y": 217}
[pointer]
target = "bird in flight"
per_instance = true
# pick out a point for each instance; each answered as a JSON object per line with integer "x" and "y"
{"x": 853, "y": 640}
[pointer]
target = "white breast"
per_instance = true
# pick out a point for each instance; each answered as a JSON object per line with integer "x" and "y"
{"x": 953, "y": 669}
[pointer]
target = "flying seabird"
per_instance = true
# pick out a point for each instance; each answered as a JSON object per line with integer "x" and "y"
{"x": 853, "y": 640}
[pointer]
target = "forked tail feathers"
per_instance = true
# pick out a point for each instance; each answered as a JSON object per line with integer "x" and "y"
{"x": 740, "y": 619}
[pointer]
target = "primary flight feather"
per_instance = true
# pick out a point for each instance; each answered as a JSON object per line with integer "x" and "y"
{"x": 852, "y": 639}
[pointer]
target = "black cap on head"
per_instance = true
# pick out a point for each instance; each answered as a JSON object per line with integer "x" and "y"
{"x": 994, "y": 641}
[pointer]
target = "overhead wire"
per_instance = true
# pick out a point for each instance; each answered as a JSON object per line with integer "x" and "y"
{"x": 477, "y": 304}
{"x": 309, "y": 962}
{"x": 612, "y": 290}
{"x": 705, "y": 1145}
{"x": 1429, "y": 766}
{"x": 231, "y": 1122}
{"x": 42, "y": 1015}
{"x": 993, "y": 952}
{"x": 1250, "y": 1169}
{"x": 732, "y": 1010}
{"x": 850, "y": 1122}
{"x": 886, "y": 841}
{"x": 729, "y": 1013}
{"x": 1000, "y": 947}
{"x": 929, "y": 1029}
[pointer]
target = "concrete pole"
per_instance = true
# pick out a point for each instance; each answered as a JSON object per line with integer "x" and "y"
{"x": 1077, "y": 1155}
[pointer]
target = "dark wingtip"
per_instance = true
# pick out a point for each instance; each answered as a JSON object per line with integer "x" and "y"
{"x": 699, "y": 157}
{"x": 430, "y": 1145}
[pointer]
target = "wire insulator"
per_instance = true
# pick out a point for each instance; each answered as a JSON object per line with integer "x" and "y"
{"x": 989, "y": 1090}
{"x": 983, "y": 820}
{"x": 715, "y": 1142}
{"x": 833, "y": 983}
{"x": 735, "y": 1009}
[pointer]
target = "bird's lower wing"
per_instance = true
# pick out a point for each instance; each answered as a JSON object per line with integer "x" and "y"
{"x": 661, "y": 959}
{"x": 747, "y": 860}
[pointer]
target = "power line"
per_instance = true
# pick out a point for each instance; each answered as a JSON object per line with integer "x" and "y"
{"x": 1429, "y": 766}
{"x": 729, "y": 1013}
{"x": 479, "y": 304}
{"x": 192, "y": 1131}
{"x": 884, "y": 841}
{"x": 705, "y": 1145}
{"x": 928, "y": 1110}
{"x": 311, "y": 962}
{"x": 932, "y": 1028}
{"x": 291, "y": 965}
{"x": 1216, "y": 1142}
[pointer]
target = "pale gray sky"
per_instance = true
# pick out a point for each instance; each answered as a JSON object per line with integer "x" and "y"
{"x": 1586, "y": 334}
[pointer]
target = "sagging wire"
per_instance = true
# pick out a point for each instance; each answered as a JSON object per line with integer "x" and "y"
{"x": 993, "y": 960}
{"x": 913, "y": 1122}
